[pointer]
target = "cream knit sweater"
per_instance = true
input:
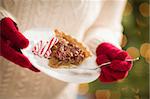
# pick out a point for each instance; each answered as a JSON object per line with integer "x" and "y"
{"x": 91, "y": 21}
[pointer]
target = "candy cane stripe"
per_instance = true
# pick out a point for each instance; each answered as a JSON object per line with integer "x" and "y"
{"x": 44, "y": 48}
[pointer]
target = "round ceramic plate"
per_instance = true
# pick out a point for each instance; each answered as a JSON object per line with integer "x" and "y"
{"x": 80, "y": 74}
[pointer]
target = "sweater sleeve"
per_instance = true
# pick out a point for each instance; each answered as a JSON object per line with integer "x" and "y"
{"x": 107, "y": 27}
{"x": 4, "y": 13}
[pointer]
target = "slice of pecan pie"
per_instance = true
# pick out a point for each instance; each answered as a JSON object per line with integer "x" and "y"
{"x": 67, "y": 51}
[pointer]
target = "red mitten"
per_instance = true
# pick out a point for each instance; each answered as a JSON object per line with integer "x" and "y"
{"x": 118, "y": 69}
{"x": 11, "y": 41}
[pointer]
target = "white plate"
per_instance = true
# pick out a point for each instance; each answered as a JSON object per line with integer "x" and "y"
{"x": 79, "y": 75}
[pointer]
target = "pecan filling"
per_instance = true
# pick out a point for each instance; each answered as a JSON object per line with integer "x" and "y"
{"x": 65, "y": 53}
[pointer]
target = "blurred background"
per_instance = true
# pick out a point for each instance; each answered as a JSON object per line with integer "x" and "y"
{"x": 136, "y": 43}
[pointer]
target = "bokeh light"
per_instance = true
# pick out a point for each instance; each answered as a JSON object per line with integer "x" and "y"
{"x": 128, "y": 9}
{"x": 133, "y": 52}
{"x": 140, "y": 23}
{"x": 147, "y": 56}
{"x": 144, "y": 48}
{"x": 144, "y": 9}
{"x": 83, "y": 89}
{"x": 103, "y": 94}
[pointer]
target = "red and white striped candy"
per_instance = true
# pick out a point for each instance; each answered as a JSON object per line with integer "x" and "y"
{"x": 36, "y": 48}
{"x": 44, "y": 48}
{"x": 52, "y": 42}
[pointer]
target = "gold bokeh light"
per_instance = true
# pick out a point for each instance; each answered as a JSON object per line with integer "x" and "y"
{"x": 128, "y": 9}
{"x": 83, "y": 88}
{"x": 144, "y": 48}
{"x": 103, "y": 94}
{"x": 133, "y": 52}
{"x": 144, "y": 9}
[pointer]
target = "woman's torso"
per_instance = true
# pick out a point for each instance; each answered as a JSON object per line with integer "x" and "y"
{"x": 71, "y": 16}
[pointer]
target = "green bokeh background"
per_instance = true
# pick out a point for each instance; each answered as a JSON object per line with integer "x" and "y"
{"x": 136, "y": 85}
